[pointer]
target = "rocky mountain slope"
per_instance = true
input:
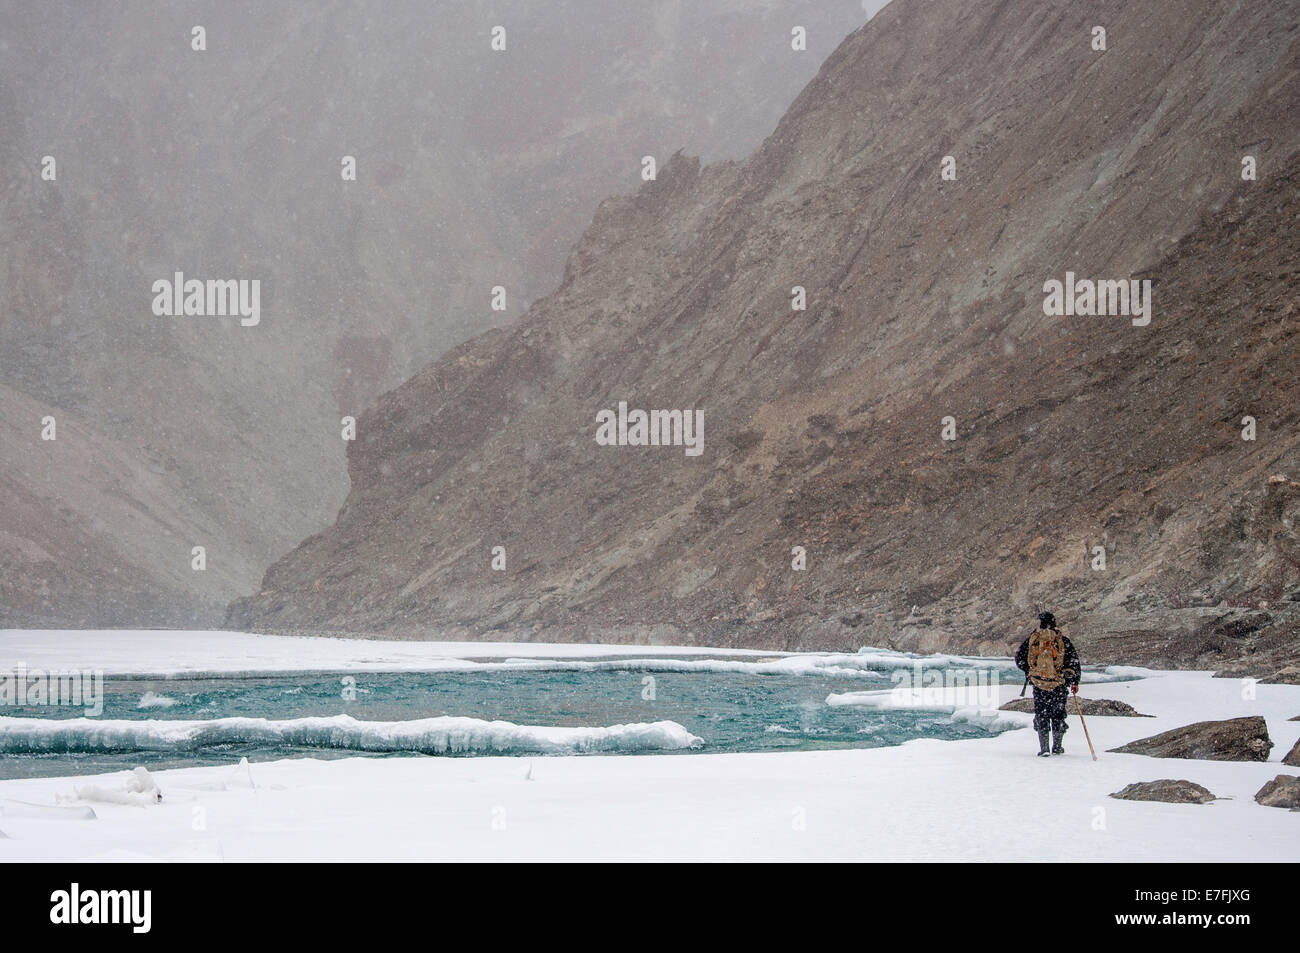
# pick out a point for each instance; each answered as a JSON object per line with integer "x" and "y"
{"x": 475, "y": 169}
{"x": 823, "y": 428}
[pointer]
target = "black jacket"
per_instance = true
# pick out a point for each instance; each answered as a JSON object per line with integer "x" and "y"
{"x": 1070, "y": 670}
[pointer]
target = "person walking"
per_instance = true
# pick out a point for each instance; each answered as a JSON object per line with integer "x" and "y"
{"x": 1051, "y": 664}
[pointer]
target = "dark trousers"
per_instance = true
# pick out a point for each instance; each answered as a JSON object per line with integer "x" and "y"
{"x": 1049, "y": 708}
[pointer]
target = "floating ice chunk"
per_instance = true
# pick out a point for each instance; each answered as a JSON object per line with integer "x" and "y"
{"x": 958, "y": 711}
{"x": 445, "y": 735}
{"x": 151, "y": 700}
{"x": 890, "y": 701}
{"x": 986, "y": 718}
{"x": 1118, "y": 673}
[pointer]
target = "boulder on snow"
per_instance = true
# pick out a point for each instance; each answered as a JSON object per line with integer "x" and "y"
{"x": 1293, "y": 757}
{"x": 1282, "y": 791}
{"x": 1284, "y": 676}
{"x": 1166, "y": 790}
{"x": 1236, "y": 739}
{"x": 1091, "y": 706}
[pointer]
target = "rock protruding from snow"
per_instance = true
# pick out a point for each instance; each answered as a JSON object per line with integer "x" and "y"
{"x": 1236, "y": 739}
{"x": 1293, "y": 756}
{"x": 1284, "y": 676}
{"x": 1102, "y": 707}
{"x": 1282, "y": 791}
{"x": 1166, "y": 790}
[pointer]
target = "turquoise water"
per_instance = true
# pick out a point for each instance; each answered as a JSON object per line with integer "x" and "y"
{"x": 728, "y": 711}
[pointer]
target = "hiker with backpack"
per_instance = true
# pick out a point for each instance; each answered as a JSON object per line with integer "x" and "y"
{"x": 1050, "y": 662}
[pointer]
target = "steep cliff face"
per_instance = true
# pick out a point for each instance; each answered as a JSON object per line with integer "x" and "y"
{"x": 474, "y": 169}
{"x": 824, "y": 427}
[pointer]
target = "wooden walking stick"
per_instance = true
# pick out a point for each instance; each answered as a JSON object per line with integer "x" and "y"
{"x": 1085, "y": 726}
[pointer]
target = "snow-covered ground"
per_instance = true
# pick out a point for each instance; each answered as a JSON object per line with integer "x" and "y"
{"x": 166, "y": 652}
{"x": 988, "y": 799}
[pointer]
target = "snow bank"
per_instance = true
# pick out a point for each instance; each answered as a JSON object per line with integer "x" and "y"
{"x": 972, "y": 705}
{"x": 168, "y": 653}
{"x": 12, "y": 809}
{"x": 446, "y": 735}
{"x": 1119, "y": 673}
{"x": 176, "y": 652}
{"x": 826, "y": 665}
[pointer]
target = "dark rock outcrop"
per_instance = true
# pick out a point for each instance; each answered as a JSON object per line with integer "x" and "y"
{"x": 1236, "y": 739}
{"x": 1167, "y": 790}
{"x": 1282, "y": 791}
{"x": 1293, "y": 756}
{"x": 1100, "y": 707}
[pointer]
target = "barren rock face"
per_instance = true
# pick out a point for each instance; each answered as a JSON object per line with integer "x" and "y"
{"x": 824, "y": 428}
{"x": 1282, "y": 791}
{"x": 1286, "y": 676}
{"x": 471, "y": 172}
{"x": 1236, "y": 739}
{"x": 1169, "y": 791}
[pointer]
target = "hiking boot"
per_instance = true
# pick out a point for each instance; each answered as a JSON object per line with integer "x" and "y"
{"x": 1058, "y": 733}
{"x": 1044, "y": 735}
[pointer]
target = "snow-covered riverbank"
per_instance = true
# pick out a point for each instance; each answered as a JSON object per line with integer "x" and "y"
{"x": 987, "y": 799}
{"x": 168, "y": 652}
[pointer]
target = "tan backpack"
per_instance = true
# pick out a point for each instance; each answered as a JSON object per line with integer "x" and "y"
{"x": 1046, "y": 659}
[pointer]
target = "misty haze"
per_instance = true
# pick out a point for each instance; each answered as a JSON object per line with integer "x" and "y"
{"x": 677, "y": 430}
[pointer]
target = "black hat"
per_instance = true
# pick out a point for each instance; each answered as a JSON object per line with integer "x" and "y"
{"x": 1046, "y": 620}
